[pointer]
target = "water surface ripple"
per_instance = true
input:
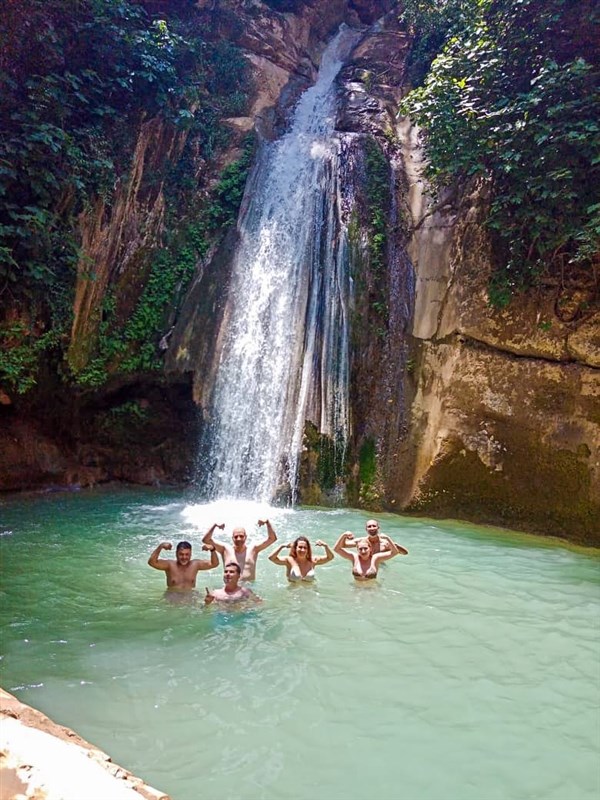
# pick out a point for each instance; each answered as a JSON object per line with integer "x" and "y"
{"x": 470, "y": 671}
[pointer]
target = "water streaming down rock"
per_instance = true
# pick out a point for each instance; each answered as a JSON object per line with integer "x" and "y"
{"x": 284, "y": 356}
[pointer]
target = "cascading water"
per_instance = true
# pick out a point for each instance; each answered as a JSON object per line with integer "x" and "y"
{"x": 284, "y": 354}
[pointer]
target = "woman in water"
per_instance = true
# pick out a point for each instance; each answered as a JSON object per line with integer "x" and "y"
{"x": 300, "y": 564}
{"x": 365, "y": 563}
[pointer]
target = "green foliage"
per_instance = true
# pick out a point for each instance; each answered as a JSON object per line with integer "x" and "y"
{"x": 331, "y": 457}
{"x": 331, "y": 463}
{"x": 77, "y": 70}
{"x": 367, "y": 463}
{"x": 20, "y": 353}
{"x": 510, "y": 100}
{"x": 378, "y": 202}
{"x": 76, "y": 81}
{"x": 123, "y": 416}
{"x": 135, "y": 346}
{"x": 124, "y": 423}
{"x": 227, "y": 196}
{"x": 431, "y": 24}
{"x": 378, "y": 198}
{"x": 369, "y": 495}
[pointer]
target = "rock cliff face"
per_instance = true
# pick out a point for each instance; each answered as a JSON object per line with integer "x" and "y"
{"x": 504, "y": 425}
{"x": 473, "y": 412}
{"x": 458, "y": 409}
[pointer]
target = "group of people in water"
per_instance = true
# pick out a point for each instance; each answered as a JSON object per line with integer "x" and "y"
{"x": 239, "y": 559}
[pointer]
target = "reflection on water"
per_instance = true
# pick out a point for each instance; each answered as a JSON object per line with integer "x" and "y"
{"x": 188, "y": 598}
{"x": 469, "y": 669}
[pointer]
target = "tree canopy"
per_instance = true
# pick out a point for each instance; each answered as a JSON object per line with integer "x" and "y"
{"x": 509, "y": 96}
{"x": 77, "y": 78}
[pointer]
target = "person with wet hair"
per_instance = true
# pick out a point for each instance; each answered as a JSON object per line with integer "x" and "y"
{"x": 231, "y": 592}
{"x": 239, "y": 552}
{"x": 377, "y": 540}
{"x": 365, "y": 563}
{"x": 181, "y": 573}
{"x": 300, "y": 564}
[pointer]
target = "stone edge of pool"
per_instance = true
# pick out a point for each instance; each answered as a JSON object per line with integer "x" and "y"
{"x": 42, "y": 759}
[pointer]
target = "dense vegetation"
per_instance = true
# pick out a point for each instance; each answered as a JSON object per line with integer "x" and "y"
{"x": 508, "y": 96}
{"x": 77, "y": 79}
{"x": 378, "y": 199}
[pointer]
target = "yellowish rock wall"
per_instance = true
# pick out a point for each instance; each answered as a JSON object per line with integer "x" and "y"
{"x": 505, "y": 421}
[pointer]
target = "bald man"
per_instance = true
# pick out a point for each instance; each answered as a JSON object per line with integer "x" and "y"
{"x": 377, "y": 543}
{"x": 239, "y": 552}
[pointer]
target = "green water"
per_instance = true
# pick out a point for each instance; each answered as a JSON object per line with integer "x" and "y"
{"x": 471, "y": 670}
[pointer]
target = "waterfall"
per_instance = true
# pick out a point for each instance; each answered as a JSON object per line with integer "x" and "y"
{"x": 284, "y": 346}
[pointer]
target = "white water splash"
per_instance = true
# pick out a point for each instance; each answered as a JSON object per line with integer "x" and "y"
{"x": 285, "y": 351}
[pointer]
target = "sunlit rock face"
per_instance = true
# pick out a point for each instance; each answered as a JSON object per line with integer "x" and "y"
{"x": 505, "y": 423}
{"x": 115, "y": 240}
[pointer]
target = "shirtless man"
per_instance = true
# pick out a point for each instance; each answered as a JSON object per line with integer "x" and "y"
{"x": 244, "y": 557}
{"x": 181, "y": 573}
{"x": 231, "y": 592}
{"x": 375, "y": 538}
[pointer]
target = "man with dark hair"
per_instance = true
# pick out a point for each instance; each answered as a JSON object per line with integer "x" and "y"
{"x": 181, "y": 573}
{"x": 231, "y": 592}
{"x": 239, "y": 552}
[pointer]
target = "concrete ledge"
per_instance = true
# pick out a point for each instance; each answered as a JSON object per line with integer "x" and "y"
{"x": 40, "y": 760}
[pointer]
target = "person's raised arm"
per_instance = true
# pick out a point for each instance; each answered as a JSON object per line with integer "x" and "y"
{"x": 208, "y": 538}
{"x": 384, "y": 555}
{"x": 328, "y": 553}
{"x": 214, "y": 560}
{"x": 271, "y": 538}
{"x": 402, "y": 551}
{"x": 160, "y": 563}
{"x": 338, "y": 547}
{"x": 274, "y": 557}
{"x": 351, "y": 540}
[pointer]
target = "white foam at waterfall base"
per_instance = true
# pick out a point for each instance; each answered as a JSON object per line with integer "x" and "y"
{"x": 234, "y": 513}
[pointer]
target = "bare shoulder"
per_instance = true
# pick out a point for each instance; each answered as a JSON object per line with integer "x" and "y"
{"x": 198, "y": 563}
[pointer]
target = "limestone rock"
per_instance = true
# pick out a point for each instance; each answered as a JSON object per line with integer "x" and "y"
{"x": 40, "y": 760}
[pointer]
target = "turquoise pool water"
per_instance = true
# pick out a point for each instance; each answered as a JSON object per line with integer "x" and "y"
{"x": 470, "y": 671}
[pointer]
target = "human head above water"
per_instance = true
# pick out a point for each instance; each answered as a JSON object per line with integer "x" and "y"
{"x": 231, "y": 573}
{"x": 183, "y": 553}
{"x": 239, "y": 537}
{"x": 301, "y": 546}
{"x": 363, "y": 548}
{"x": 372, "y": 527}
